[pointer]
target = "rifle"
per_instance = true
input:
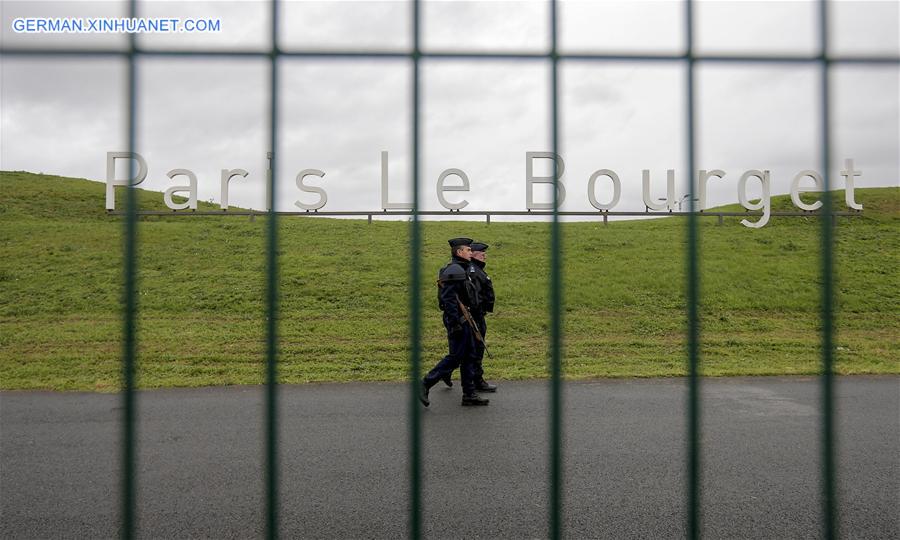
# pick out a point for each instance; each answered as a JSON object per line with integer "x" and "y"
{"x": 471, "y": 321}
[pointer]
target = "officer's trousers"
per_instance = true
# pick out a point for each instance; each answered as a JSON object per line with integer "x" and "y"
{"x": 461, "y": 355}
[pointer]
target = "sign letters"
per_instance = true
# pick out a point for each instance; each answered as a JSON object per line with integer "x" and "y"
{"x": 799, "y": 184}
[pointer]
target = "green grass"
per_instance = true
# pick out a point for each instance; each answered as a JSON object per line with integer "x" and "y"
{"x": 344, "y": 294}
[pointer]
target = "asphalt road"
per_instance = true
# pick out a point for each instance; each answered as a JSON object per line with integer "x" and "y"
{"x": 343, "y": 461}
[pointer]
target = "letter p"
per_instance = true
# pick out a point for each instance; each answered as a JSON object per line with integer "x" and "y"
{"x": 111, "y": 181}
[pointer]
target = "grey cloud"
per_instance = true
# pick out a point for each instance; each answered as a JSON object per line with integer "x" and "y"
{"x": 759, "y": 26}
{"x": 57, "y": 116}
{"x": 338, "y": 117}
{"x": 204, "y": 116}
{"x": 479, "y": 25}
{"x": 346, "y": 24}
{"x": 62, "y": 116}
{"x": 482, "y": 118}
{"x": 864, "y": 27}
{"x": 620, "y": 26}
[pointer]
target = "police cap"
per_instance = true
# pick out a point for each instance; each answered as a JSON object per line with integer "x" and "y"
{"x": 456, "y": 242}
{"x": 479, "y": 246}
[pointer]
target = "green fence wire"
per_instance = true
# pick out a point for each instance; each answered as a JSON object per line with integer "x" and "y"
{"x": 130, "y": 307}
{"x": 829, "y": 503}
{"x": 692, "y": 300}
{"x": 556, "y": 300}
{"x": 272, "y": 296}
{"x": 415, "y": 323}
{"x": 415, "y": 55}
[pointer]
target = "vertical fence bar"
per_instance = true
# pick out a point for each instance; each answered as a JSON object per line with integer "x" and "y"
{"x": 415, "y": 328}
{"x": 272, "y": 296}
{"x": 556, "y": 473}
{"x": 693, "y": 291}
{"x": 829, "y": 503}
{"x": 130, "y": 307}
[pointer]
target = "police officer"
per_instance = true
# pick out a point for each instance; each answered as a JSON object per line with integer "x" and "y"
{"x": 486, "y": 305}
{"x": 457, "y": 292}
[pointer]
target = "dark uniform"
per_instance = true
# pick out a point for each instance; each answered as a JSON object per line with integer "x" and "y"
{"x": 456, "y": 286}
{"x": 485, "y": 305}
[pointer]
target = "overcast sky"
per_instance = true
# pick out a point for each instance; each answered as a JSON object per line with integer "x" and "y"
{"x": 61, "y": 116}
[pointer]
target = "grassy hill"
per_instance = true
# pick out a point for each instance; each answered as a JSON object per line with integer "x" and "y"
{"x": 344, "y": 294}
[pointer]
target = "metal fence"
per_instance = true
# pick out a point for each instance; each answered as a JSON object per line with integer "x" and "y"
{"x": 555, "y": 511}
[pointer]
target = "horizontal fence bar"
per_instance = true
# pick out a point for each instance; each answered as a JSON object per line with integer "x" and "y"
{"x": 473, "y": 213}
{"x": 401, "y": 55}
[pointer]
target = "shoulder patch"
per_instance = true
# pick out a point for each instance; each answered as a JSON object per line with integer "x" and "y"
{"x": 452, "y": 272}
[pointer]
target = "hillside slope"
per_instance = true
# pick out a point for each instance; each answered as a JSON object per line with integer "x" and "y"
{"x": 344, "y": 294}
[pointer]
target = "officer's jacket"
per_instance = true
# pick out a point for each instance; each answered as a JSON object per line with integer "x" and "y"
{"x": 485, "y": 286}
{"x": 455, "y": 281}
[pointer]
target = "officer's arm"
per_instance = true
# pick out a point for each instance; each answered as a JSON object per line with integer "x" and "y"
{"x": 490, "y": 298}
{"x": 448, "y": 298}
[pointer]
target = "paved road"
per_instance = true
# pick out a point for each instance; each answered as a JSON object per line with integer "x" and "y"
{"x": 344, "y": 464}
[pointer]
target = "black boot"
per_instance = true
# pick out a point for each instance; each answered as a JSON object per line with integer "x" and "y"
{"x": 448, "y": 380}
{"x": 423, "y": 393}
{"x": 484, "y": 386}
{"x": 473, "y": 400}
